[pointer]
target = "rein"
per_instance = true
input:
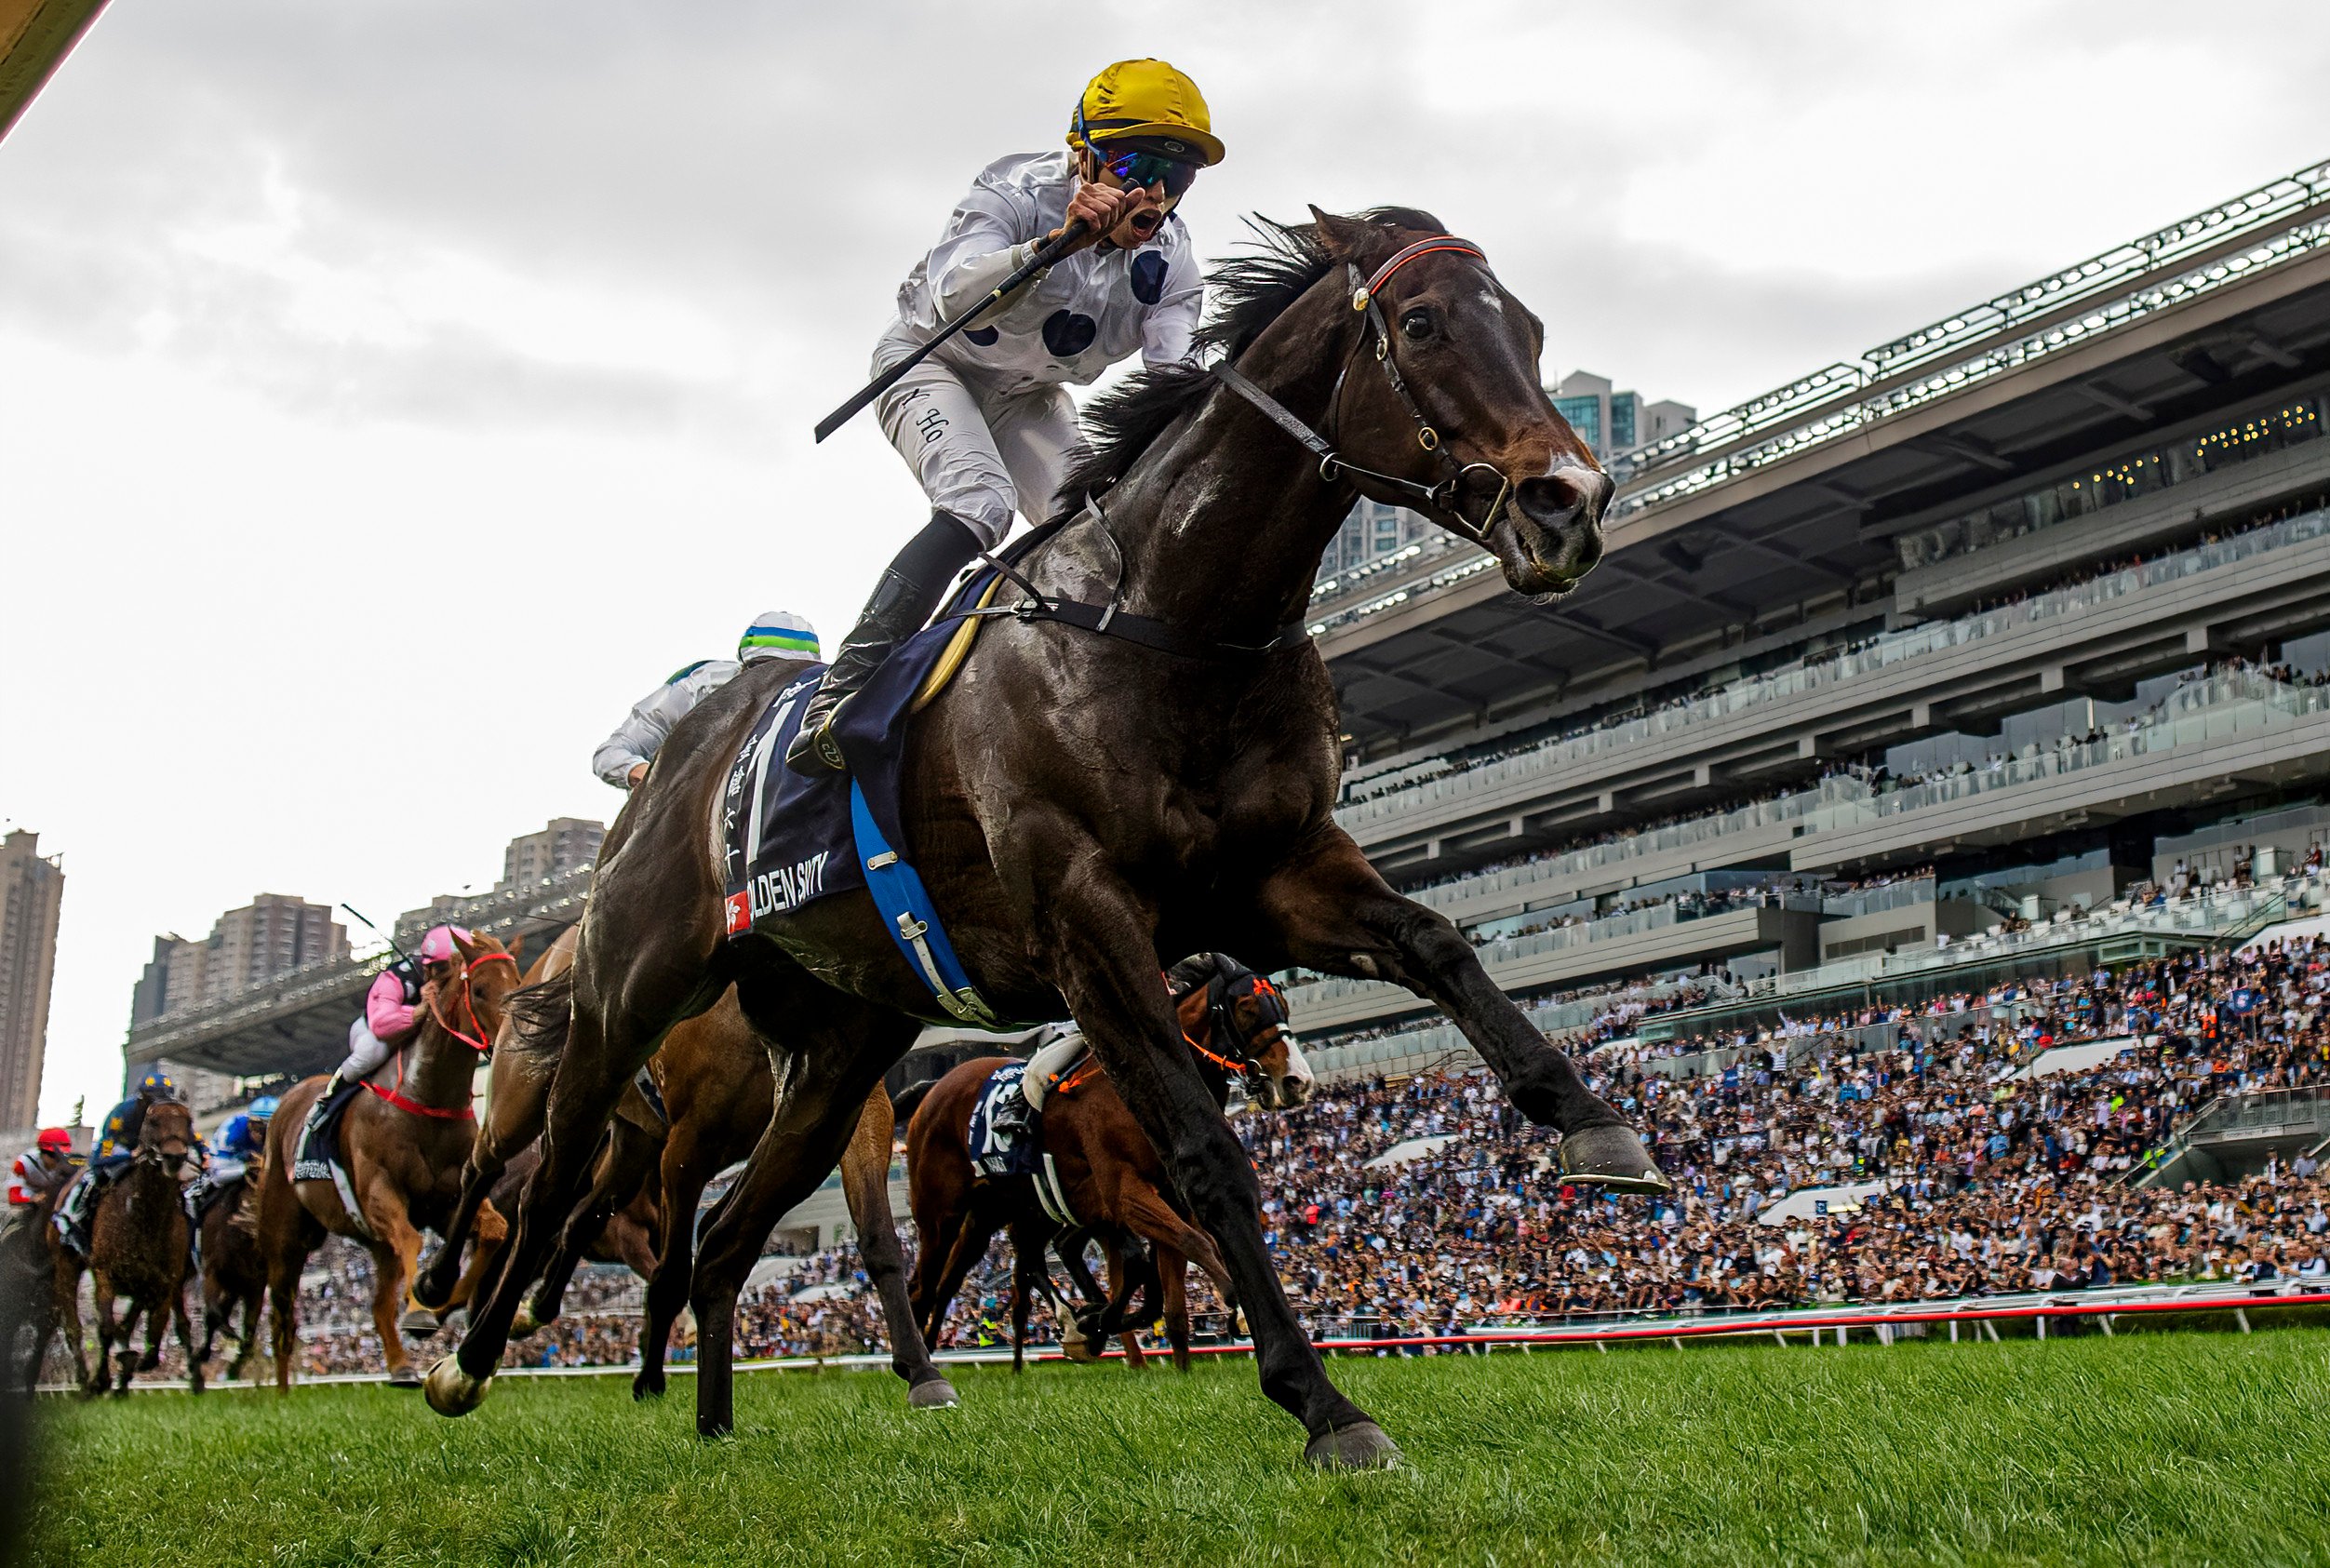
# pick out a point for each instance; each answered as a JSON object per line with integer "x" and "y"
{"x": 1445, "y": 497}
{"x": 479, "y": 1042}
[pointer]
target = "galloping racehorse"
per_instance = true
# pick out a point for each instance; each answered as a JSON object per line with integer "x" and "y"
{"x": 1140, "y": 757}
{"x": 1108, "y": 1172}
{"x": 138, "y": 1247}
{"x": 234, "y": 1273}
{"x": 403, "y": 1143}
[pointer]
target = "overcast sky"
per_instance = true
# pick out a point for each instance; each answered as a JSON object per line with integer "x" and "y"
{"x": 393, "y": 391}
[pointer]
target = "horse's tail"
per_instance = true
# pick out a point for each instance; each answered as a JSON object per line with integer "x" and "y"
{"x": 542, "y": 1015}
{"x": 904, "y": 1103}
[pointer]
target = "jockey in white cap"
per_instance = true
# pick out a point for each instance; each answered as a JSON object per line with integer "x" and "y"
{"x": 621, "y": 759}
{"x": 985, "y": 421}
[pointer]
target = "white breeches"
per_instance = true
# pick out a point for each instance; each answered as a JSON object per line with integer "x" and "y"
{"x": 979, "y": 454}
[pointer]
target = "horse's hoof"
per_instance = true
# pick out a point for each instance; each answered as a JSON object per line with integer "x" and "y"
{"x": 1359, "y": 1447}
{"x": 419, "y": 1323}
{"x": 452, "y": 1392}
{"x": 935, "y": 1394}
{"x": 1084, "y": 1350}
{"x": 644, "y": 1387}
{"x": 1612, "y": 1158}
{"x": 405, "y": 1376}
{"x": 524, "y": 1323}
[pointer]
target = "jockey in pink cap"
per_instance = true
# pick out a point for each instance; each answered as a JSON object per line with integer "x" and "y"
{"x": 392, "y": 1008}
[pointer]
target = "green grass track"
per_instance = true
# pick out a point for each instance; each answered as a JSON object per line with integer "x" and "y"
{"x": 2183, "y": 1449}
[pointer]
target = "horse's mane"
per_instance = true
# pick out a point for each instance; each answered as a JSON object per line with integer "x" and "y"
{"x": 1246, "y": 294}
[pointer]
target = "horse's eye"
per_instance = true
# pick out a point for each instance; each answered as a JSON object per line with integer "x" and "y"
{"x": 1417, "y": 324}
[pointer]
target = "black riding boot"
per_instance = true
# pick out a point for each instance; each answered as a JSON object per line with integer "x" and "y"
{"x": 904, "y": 599}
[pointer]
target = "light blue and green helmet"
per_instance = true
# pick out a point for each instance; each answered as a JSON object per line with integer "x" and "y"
{"x": 778, "y": 633}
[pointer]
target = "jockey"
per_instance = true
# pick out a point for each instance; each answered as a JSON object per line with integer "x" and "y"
{"x": 391, "y": 1009}
{"x": 985, "y": 421}
{"x": 241, "y": 1141}
{"x": 41, "y": 1168}
{"x": 116, "y": 1145}
{"x": 622, "y": 757}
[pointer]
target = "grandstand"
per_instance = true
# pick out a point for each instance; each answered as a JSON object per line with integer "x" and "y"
{"x": 2001, "y": 648}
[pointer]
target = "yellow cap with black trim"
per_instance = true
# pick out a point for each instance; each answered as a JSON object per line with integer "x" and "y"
{"x": 1149, "y": 102}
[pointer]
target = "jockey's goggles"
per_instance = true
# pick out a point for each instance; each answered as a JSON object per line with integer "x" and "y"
{"x": 1139, "y": 170}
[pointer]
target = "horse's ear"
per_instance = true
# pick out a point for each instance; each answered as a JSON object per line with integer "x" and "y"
{"x": 1347, "y": 239}
{"x": 466, "y": 948}
{"x": 517, "y": 949}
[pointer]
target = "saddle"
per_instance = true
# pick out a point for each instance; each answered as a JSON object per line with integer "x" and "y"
{"x": 791, "y": 839}
{"x": 1006, "y": 1132}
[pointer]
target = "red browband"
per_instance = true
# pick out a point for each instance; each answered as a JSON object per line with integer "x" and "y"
{"x": 1437, "y": 244}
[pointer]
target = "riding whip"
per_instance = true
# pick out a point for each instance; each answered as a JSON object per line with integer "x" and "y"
{"x": 1049, "y": 252}
{"x": 377, "y": 931}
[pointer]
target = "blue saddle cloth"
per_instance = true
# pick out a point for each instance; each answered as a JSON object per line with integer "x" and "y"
{"x": 790, "y": 840}
{"x": 1002, "y": 1134}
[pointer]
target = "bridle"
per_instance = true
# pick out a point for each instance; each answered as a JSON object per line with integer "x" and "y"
{"x": 481, "y": 1042}
{"x": 1445, "y": 499}
{"x": 1222, "y": 1017}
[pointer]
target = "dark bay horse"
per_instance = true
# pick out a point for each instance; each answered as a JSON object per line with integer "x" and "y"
{"x": 138, "y": 1247}
{"x": 404, "y": 1143}
{"x": 233, "y": 1271}
{"x": 1109, "y": 1174}
{"x": 1080, "y": 805}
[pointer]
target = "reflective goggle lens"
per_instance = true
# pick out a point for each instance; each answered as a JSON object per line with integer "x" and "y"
{"x": 1145, "y": 169}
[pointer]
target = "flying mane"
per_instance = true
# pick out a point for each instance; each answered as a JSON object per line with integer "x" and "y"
{"x": 1246, "y": 294}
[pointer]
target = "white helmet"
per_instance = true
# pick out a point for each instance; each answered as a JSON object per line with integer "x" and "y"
{"x": 778, "y": 633}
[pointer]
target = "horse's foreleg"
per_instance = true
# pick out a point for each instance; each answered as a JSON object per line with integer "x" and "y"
{"x": 186, "y": 1337}
{"x": 396, "y": 1257}
{"x": 1125, "y": 1278}
{"x": 1333, "y": 911}
{"x": 101, "y": 1304}
{"x": 685, "y": 1173}
{"x": 1022, "y": 1292}
{"x": 282, "y": 1297}
{"x": 839, "y": 1050}
{"x": 1104, "y": 947}
{"x": 247, "y": 1342}
{"x": 622, "y": 1165}
{"x": 434, "y": 1287}
{"x": 1172, "y": 1274}
{"x": 865, "y": 1183}
{"x": 601, "y": 1055}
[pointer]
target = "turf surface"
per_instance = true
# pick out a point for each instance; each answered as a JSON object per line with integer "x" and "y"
{"x": 2155, "y": 1448}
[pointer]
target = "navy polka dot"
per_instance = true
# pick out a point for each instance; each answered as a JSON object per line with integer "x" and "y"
{"x": 983, "y": 336}
{"x": 1067, "y": 334}
{"x": 1148, "y": 276}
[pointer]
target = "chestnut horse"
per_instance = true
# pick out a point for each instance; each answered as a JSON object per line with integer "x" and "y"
{"x": 1108, "y": 1172}
{"x": 1138, "y": 759}
{"x": 138, "y": 1247}
{"x": 404, "y": 1144}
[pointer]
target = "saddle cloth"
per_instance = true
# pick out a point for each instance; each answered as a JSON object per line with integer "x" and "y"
{"x": 1003, "y": 1127}
{"x": 316, "y": 1158}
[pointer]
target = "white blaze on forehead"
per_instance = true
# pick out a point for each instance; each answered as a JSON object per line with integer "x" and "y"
{"x": 1488, "y": 298}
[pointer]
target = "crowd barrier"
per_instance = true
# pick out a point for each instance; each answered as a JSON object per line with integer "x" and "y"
{"x": 1882, "y": 1324}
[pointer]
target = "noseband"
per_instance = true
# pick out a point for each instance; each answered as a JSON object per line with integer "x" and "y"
{"x": 1445, "y": 499}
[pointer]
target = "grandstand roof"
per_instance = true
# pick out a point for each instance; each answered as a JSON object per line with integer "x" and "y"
{"x": 1786, "y": 508}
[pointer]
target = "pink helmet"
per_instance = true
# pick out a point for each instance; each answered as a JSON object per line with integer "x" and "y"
{"x": 438, "y": 947}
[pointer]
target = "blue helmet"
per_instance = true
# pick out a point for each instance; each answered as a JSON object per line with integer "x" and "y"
{"x": 261, "y": 1108}
{"x": 157, "y": 1085}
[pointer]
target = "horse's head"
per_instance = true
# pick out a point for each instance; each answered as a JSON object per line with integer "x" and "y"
{"x": 166, "y": 1136}
{"x": 473, "y": 990}
{"x": 1442, "y": 389}
{"x": 1238, "y": 1019}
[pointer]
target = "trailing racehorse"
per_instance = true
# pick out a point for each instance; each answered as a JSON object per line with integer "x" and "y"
{"x": 712, "y": 1074}
{"x": 233, "y": 1271}
{"x": 1101, "y": 1167}
{"x": 403, "y": 1145}
{"x": 138, "y": 1247}
{"x": 1140, "y": 757}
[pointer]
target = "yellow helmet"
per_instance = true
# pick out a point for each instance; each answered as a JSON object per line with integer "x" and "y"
{"x": 1149, "y": 101}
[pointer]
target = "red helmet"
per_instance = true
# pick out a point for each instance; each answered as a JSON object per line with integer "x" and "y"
{"x": 55, "y": 1140}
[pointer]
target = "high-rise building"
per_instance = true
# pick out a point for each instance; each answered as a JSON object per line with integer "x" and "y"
{"x": 32, "y": 894}
{"x": 273, "y": 934}
{"x": 565, "y": 844}
{"x": 1611, "y": 422}
{"x": 1615, "y": 422}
